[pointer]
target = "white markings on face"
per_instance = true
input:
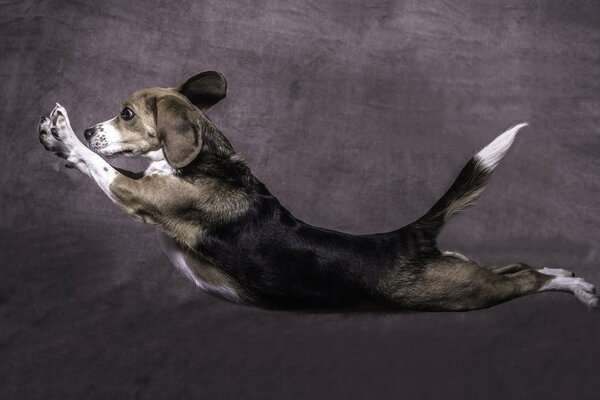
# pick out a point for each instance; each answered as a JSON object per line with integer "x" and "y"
{"x": 107, "y": 140}
{"x": 175, "y": 254}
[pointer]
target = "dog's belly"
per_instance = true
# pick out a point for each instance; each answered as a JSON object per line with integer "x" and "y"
{"x": 199, "y": 270}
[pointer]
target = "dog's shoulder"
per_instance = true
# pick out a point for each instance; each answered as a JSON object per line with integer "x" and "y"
{"x": 222, "y": 188}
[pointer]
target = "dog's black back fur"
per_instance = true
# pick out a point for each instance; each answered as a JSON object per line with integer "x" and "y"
{"x": 280, "y": 260}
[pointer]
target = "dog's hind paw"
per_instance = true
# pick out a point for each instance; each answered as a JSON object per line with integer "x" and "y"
{"x": 581, "y": 289}
{"x": 591, "y": 300}
{"x": 586, "y": 293}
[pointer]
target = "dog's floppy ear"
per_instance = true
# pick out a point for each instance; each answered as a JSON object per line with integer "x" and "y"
{"x": 205, "y": 89}
{"x": 178, "y": 129}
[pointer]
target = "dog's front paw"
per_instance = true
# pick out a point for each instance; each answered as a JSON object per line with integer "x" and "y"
{"x": 57, "y": 136}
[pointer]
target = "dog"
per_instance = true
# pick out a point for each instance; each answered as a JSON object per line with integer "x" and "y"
{"x": 227, "y": 233}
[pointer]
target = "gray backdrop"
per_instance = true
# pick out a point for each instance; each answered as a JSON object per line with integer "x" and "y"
{"x": 357, "y": 115}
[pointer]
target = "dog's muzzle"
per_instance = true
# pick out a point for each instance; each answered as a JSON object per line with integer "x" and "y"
{"x": 95, "y": 138}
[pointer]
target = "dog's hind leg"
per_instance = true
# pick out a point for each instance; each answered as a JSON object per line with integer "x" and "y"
{"x": 512, "y": 268}
{"x": 455, "y": 284}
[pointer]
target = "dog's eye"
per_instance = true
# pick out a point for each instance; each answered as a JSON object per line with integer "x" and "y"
{"x": 127, "y": 114}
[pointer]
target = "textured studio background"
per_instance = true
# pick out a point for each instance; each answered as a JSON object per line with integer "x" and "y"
{"x": 357, "y": 115}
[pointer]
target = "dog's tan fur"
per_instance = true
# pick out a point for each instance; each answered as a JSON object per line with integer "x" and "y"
{"x": 180, "y": 208}
{"x": 455, "y": 283}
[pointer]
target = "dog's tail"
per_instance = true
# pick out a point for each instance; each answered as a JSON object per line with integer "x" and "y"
{"x": 469, "y": 184}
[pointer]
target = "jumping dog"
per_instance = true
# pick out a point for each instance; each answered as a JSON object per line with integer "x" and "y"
{"x": 225, "y": 231}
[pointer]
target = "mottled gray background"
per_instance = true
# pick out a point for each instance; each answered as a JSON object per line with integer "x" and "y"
{"x": 357, "y": 115}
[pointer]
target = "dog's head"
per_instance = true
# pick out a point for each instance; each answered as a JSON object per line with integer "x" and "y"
{"x": 171, "y": 119}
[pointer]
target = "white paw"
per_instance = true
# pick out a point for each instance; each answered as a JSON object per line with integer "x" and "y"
{"x": 57, "y": 136}
{"x": 583, "y": 290}
{"x": 556, "y": 272}
{"x": 587, "y": 297}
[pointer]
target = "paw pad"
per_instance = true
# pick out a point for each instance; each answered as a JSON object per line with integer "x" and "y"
{"x": 55, "y": 133}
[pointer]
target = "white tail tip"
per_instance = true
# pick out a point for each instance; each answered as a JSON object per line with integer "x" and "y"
{"x": 491, "y": 154}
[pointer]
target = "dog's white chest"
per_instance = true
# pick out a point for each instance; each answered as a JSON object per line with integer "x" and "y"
{"x": 177, "y": 258}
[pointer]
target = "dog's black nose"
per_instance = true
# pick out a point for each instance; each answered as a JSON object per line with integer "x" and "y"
{"x": 88, "y": 133}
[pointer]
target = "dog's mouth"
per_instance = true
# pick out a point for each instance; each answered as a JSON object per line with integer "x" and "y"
{"x": 106, "y": 151}
{"x": 120, "y": 153}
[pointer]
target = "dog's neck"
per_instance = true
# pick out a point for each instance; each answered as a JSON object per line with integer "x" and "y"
{"x": 158, "y": 164}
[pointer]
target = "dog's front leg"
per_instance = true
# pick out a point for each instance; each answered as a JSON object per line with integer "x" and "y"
{"x": 156, "y": 200}
{"x": 57, "y": 136}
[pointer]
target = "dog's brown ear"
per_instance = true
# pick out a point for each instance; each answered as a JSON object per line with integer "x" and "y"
{"x": 178, "y": 129}
{"x": 205, "y": 89}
